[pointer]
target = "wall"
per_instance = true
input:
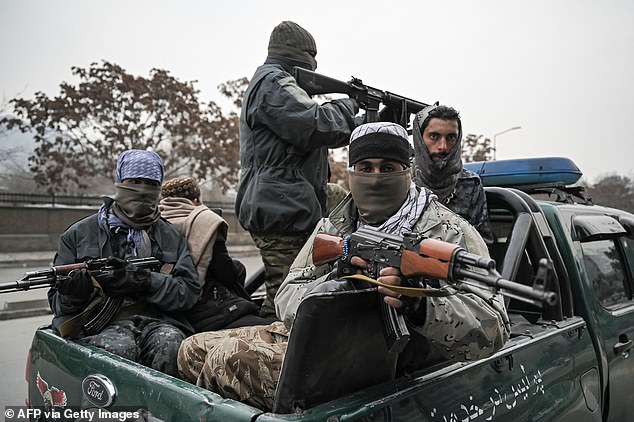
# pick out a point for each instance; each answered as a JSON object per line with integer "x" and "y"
{"x": 37, "y": 228}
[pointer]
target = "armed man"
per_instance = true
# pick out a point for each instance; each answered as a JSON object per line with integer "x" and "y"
{"x": 127, "y": 310}
{"x": 284, "y": 141}
{"x": 463, "y": 326}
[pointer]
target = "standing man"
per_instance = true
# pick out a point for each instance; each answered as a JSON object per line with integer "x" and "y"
{"x": 437, "y": 132}
{"x": 147, "y": 323}
{"x": 284, "y": 141}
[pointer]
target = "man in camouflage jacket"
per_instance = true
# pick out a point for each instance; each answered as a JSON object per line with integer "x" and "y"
{"x": 245, "y": 363}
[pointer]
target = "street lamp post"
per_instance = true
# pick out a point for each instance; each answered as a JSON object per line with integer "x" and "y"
{"x": 495, "y": 146}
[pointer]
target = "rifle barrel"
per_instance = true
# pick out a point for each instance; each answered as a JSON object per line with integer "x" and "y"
{"x": 520, "y": 290}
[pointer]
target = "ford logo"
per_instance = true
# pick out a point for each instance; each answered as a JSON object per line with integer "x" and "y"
{"x": 98, "y": 390}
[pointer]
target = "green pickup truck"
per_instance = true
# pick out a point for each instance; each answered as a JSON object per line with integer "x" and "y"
{"x": 564, "y": 362}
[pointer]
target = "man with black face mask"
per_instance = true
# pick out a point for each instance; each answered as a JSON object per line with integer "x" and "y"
{"x": 437, "y": 132}
{"x": 465, "y": 326}
{"x": 146, "y": 324}
{"x": 384, "y": 197}
{"x": 284, "y": 141}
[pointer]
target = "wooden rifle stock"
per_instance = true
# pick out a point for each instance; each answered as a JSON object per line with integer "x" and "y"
{"x": 327, "y": 248}
{"x": 434, "y": 258}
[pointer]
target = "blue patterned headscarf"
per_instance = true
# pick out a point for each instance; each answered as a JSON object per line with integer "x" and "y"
{"x": 132, "y": 164}
{"x": 139, "y": 164}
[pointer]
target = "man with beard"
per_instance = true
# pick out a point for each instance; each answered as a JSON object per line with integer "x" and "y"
{"x": 437, "y": 132}
{"x": 146, "y": 323}
{"x": 284, "y": 141}
{"x": 382, "y": 196}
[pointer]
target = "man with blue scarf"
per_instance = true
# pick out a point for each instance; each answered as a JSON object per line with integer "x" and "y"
{"x": 146, "y": 324}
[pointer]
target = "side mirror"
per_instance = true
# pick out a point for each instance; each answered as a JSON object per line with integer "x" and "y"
{"x": 627, "y": 221}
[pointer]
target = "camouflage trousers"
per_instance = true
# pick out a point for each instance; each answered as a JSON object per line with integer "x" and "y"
{"x": 238, "y": 363}
{"x": 278, "y": 251}
{"x": 147, "y": 340}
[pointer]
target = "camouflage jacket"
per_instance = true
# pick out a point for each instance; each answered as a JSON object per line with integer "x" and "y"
{"x": 483, "y": 324}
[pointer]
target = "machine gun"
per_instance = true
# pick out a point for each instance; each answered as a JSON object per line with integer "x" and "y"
{"x": 416, "y": 256}
{"x": 397, "y": 108}
{"x": 49, "y": 277}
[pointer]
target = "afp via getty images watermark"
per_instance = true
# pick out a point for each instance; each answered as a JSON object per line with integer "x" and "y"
{"x": 23, "y": 413}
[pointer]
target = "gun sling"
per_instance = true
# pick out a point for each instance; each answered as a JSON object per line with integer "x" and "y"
{"x": 94, "y": 317}
{"x": 406, "y": 291}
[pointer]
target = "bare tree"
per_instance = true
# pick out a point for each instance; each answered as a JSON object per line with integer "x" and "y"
{"x": 79, "y": 132}
{"x": 476, "y": 148}
{"x": 613, "y": 191}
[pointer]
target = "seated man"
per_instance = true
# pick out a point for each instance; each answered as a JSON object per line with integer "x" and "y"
{"x": 223, "y": 302}
{"x": 147, "y": 322}
{"x": 245, "y": 364}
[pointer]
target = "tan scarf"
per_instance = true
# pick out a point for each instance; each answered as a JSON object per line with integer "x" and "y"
{"x": 379, "y": 195}
{"x": 201, "y": 226}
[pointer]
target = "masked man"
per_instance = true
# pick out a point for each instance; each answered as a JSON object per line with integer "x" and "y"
{"x": 284, "y": 141}
{"x": 146, "y": 323}
{"x": 458, "y": 327}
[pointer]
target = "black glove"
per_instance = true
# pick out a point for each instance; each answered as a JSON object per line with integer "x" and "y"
{"x": 78, "y": 284}
{"x": 123, "y": 279}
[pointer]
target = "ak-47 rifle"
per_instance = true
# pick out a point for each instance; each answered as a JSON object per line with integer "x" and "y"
{"x": 57, "y": 274}
{"x": 417, "y": 256}
{"x": 99, "y": 311}
{"x": 368, "y": 98}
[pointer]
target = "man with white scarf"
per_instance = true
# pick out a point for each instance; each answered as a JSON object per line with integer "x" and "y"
{"x": 464, "y": 326}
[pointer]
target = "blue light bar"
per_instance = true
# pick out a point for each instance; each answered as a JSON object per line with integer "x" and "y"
{"x": 526, "y": 171}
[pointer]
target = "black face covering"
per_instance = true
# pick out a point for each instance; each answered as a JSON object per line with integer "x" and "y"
{"x": 288, "y": 64}
{"x": 137, "y": 205}
{"x": 379, "y": 195}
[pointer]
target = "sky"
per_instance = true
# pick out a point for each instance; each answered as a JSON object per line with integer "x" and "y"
{"x": 561, "y": 70}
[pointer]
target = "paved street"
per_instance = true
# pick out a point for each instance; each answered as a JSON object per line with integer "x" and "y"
{"x": 17, "y": 334}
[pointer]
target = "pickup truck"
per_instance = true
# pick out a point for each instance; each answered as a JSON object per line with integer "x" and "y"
{"x": 564, "y": 362}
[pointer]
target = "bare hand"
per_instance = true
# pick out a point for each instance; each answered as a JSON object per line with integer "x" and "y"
{"x": 391, "y": 276}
